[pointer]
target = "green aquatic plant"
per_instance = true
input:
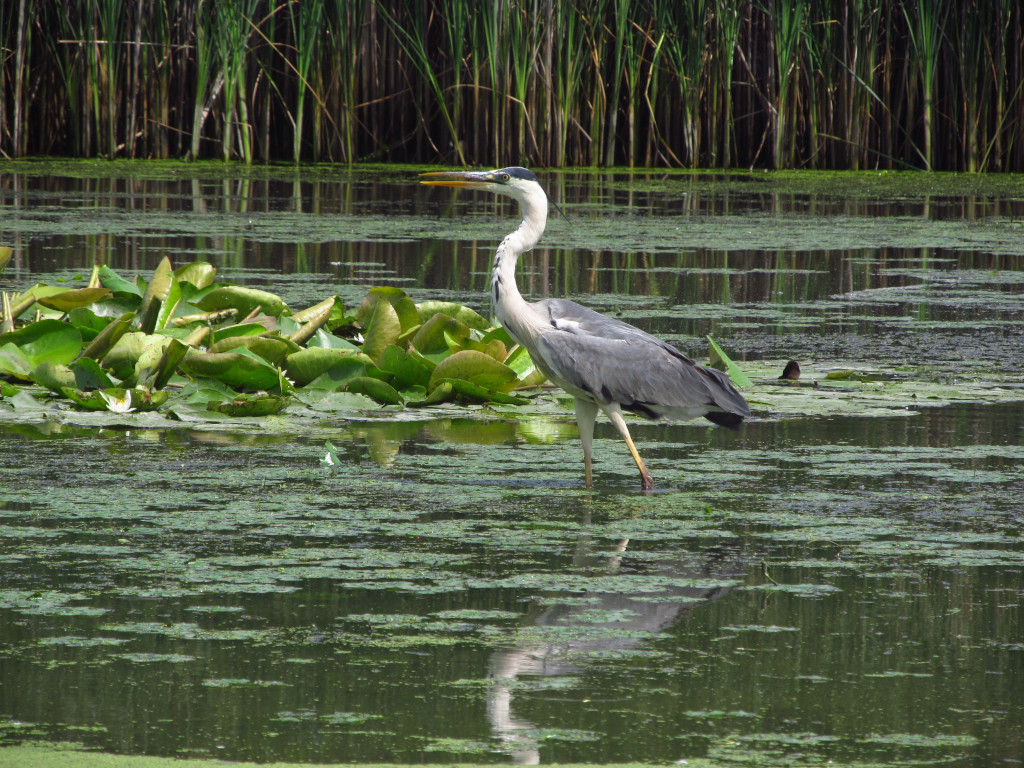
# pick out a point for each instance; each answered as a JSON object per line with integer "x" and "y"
{"x": 187, "y": 342}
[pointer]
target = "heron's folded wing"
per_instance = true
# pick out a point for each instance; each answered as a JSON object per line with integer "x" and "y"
{"x": 641, "y": 375}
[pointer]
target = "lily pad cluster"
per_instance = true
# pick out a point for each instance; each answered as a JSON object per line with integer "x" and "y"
{"x": 184, "y": 340}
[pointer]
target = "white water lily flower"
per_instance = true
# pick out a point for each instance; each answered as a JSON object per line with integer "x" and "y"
{"x": 328, "y": 459}
{"x": 118, "y": 404}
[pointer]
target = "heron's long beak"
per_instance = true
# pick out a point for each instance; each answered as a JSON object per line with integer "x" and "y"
{"x": 464, "y": 179}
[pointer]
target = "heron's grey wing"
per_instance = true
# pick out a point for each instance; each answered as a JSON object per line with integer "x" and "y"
{"x": 643, "y": 375}
{"x": 569, "y": 316}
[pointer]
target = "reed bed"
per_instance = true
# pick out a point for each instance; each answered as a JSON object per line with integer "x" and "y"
{"x": 826, "y": 84}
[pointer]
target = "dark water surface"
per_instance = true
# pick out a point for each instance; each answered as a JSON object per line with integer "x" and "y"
{"x": 843, "y": 586}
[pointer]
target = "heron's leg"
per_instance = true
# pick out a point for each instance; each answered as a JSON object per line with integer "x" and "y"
{"x": 586, "y": 414}
{"x": 615, "y": 414}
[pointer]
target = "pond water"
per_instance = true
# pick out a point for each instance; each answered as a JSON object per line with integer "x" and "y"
{"x": 840, "y": 582}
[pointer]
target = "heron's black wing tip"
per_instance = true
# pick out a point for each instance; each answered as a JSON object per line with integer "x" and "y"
{"x": 724, "y": 419}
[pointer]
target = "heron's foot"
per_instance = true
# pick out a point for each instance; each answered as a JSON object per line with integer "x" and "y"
{"x": 646, "y": 482}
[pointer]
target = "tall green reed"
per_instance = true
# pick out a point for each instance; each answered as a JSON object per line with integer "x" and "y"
{"x": 306, "y": 19}
{"x": 725, "y": 83}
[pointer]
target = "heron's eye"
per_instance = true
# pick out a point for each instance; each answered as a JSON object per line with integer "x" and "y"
{"x": 505, "y": 177}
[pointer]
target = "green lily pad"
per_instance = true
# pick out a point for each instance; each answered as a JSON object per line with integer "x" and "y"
{"x": 82, "y": 374}
{"x": 529, "y": 374}
{"x": 89, "y": 375}
{"x": 133, "y": 399}
{"x": 494, "y": 348}
{"x": 157, "y": 293}
{"x": 431, "y": 337}
{"x": 307, "y": 364}
{"x": 444, "y": 392}
{"x": 126, "y": 353}
{"x": 54, "y": 376}
{"x": 406, "y": 370}
{"x": 240, "y": 369}
{"x": 348, "y": 367}
{"x": 169, "y": 304}
{"x": 405, "y": 309}
{"x": 312, "y": 319}
{"x": 464, "y": 315}
{"x": 88, "y": 323}
{"x": 249, "y": 405}
{"x": 108, "y": 337}
{"x": 13, "y": 362}
{"x": 271, "y": 349}
{"x": 244, "y": 299}
{"x": 476, "y": 368}
{"x": 329, "y": 341}
{"x": 478, "y": 394}
{"x": 5, "y": 256}
{"x": 158, "y": 362}
{"x": 200, "y": 273}
{"x": 74, "y": 298}
{"x": 110, "y": 279}
{"x": 46, "y": 341}
{"x": 383, "y": 330}
{"x": 380, "y": 391}
{"x": 721, "y": 361}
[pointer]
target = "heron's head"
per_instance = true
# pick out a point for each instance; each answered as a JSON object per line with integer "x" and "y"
{"x": 519, "y": 183}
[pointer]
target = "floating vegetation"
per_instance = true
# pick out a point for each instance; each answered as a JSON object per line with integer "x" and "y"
{"x": 199, "y": 351}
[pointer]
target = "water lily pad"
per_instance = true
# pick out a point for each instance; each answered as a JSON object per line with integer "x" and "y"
{"x": 348, "y": 367}
{"x": 271, "y": 349}
{"x": 236, "y": 369}
{"x": 406, "y": 370}
{"x": 529, "y": 374}
{"x": 476, "y": 368}
{"x": 478, "y": 394}
{"x": 53, "y": 376}
{"x": 108, "y": 337}
{"x": 168, "y": 303}
{"x": 158, "y": 362}
{"x": 307, "y": 364}
{"x": 465, "y": 315}
{"x": 126, "y": 352}
{"x": 444, "y": 392}
{"x": 200, "y": 273}
{"x": 241, "y": 298}
{"x": 431, "y": 337}
{"x": 74, "y": 298}
{"x": 45, "y": 341}
{"x": 312, "y": 319}
{"x": 329, "y": 341}
{"x": 405, "y": 309}
{"x": 13, "y": 362}
{"x": 135, "y": 399}
{"x": 249, "y": 405}
{"x": 240, "y": 329}
{"x": 89, "y": 375}
{"x": 380, "y": 391}
{"x": 110, "y": 279}
{"x": 383, "y": 329}
{"x": 721, "y": 361}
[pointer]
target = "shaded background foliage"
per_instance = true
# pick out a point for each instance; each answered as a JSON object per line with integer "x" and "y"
{"x": 932, "y": 84}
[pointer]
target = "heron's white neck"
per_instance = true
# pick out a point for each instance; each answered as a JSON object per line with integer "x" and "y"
{"x": 511, "y": 309}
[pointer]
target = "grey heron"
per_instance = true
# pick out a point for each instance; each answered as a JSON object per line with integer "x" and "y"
{"x": 605, "y": 364}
